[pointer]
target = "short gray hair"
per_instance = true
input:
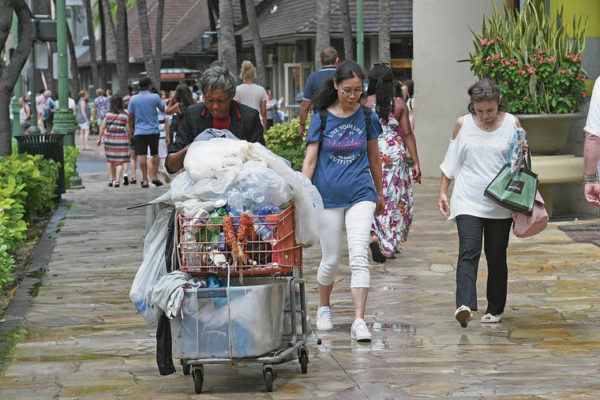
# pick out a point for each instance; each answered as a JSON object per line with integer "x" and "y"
{"x": 218, "y": 77}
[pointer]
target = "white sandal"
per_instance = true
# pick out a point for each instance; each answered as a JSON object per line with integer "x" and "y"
{"x": 491, "y": 319}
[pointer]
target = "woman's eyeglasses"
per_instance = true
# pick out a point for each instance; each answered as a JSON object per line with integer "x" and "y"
{"x": 348, "y": 92}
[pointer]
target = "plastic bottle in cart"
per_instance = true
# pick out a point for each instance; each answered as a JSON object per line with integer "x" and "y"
{"x": 265, "y": 229}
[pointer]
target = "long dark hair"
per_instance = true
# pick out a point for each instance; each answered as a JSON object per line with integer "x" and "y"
{"x": 328, "y": 94}
{"x": 116, "y": 104}
{"x": 183, "y": 96}
{"x": 381, "y": 84}
{"x": 483, "y": 90}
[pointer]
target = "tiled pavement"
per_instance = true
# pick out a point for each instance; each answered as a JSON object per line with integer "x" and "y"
{"x": 85, "y": 340}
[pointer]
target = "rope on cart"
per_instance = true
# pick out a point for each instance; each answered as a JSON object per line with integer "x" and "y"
{"x": 229, "y": 328}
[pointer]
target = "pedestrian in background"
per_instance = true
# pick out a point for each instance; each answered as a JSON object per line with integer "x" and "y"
{"x": 251, "y": 94}
{"x": 477, "y": 151}
{"x": 132, "y": 158}
{"x": 591, "y": 150}
{"x": 84, "y": 115}
{"x": 49, "y": 108}
{"x": 143, "y": 122}
{"x": 408, "y": 91}
{"x": 24, "y": 115}
{"x": 315, "y": 82}
{"x": 114, "y": 131}
{"x": 391, "y": 228}
{"x": 342, "y": 160}
{"x": 101, "y": 105}
{"x": 273, "y": 105}
{"x": 177, "y": 105}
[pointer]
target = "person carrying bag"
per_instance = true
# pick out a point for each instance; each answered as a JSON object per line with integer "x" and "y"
{"x": 516, "y": 188}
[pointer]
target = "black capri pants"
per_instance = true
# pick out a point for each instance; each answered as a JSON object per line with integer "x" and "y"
{"x": 141, "y": 143}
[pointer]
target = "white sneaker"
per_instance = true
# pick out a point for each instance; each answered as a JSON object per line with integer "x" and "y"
{"x": 491, "y": 319}
{"x": 324, "y": 322}
{"x": 359, "y": 331}
{"x": 463, "y": 315}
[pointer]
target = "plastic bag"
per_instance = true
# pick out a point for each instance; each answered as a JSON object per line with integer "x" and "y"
{"x": 260, "y": 186}
{"x": 306, "y": 197}
{"x": 178, "y": 191}
{"x": 153, "y": 267}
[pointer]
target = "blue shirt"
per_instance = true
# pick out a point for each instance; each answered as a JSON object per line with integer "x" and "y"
{"x": 144, "y": 106}
{"x": 316, "y": 80}
{"x": 342, "y": 174}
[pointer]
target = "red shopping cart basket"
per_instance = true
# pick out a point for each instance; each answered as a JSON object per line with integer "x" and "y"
{"x": 252, "y": 245}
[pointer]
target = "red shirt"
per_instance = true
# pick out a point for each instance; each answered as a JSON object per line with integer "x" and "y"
{"x": 220, "y": 123}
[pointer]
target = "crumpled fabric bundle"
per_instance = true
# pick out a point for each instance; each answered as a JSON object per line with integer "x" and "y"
{"x": 167, "y": 293}
{"x": 208, "y": 159}
{"x": 195, "y": 208}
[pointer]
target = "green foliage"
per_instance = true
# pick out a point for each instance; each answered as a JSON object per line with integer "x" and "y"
{"x": 71, "y": 153}
{"x": 27, "y": 185}
{"x": 282, "y": 139}
{"x": 530, "y": 55}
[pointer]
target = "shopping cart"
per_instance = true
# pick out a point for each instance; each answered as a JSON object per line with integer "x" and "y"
{"x": 254, "y": 310}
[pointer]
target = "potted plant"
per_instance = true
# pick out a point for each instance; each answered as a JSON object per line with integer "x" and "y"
{"x": 536, "y": 63}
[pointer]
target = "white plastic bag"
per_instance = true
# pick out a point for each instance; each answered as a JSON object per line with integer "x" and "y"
{"x": 153, "y": 267}
{"x": 307, "y": 200}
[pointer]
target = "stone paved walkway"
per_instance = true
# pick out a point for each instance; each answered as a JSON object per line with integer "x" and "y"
{"x": 85, "y": 340}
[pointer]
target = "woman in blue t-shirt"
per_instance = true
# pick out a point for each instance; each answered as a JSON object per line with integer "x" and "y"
{"x": 342, "y": 159}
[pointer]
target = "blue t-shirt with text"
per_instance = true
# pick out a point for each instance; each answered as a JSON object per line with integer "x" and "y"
{"x": 342, "y": 174}
{"x": 144, "y": 106}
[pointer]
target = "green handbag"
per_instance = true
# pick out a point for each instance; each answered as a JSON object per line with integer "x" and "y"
{"x": 514, "y": 191}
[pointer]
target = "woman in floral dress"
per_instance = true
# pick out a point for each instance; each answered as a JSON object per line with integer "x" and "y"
{"x": 391, "y": 228}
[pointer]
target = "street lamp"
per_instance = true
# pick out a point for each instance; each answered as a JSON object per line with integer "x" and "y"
{"x": 63, "y": 118}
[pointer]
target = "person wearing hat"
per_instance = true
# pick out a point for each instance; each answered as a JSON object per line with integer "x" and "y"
{"x": 143, "y": 122}
{"x": 218, "y": 111}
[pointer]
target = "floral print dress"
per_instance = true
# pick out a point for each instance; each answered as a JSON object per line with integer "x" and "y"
{"x": 393, "y": 225}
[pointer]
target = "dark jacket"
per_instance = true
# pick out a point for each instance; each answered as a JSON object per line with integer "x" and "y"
{"x": 244, "y": 123}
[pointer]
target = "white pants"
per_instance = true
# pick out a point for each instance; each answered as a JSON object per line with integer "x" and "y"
{"x": 358, "y": 219}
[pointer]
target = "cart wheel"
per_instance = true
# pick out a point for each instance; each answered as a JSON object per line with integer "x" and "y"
{"x": 198, "y": 375}
{"x": 303, "y": 359}
{"x": 270, "y": 376}
{"x": 186, "y": 369}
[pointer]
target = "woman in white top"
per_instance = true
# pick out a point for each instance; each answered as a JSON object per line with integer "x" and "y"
{"x": 251, "y": 94}
{"x": 477, "y": 151}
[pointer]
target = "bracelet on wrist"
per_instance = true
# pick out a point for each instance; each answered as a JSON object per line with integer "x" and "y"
{"x": 590, "y": 178}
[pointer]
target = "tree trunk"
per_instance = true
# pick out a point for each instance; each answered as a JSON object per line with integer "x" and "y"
{"x": 347, "y": 28}
{"x": 104, "y": 74}
{"x": 384, "y": 31}
{"x": 158, "y": 42}
{"x": 146, "y": 39}
{"x": 92, "y": 41}
{"x": 322, "y": 41}
{"x": 122, "y": 37}
{"x": 74, "y": 85}
{"x": 227, "y": 50}
{"x": 9, "y": 73}
{"x": 258, "y": 44}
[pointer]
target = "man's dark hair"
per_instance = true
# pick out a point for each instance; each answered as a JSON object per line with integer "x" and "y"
{"x": 328, "y": 56}
{"x": 144, "y": 83}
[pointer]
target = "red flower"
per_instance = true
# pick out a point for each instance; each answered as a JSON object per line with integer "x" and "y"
{"x": 484, "y": 41}
{"x": 531, "y": 70}
{"x": 522, "y": 72}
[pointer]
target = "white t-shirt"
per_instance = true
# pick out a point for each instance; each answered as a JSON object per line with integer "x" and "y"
{"x": 473, "y": 160}
{"x": 250, "y": 94}
{"x": 592, "y": 124}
